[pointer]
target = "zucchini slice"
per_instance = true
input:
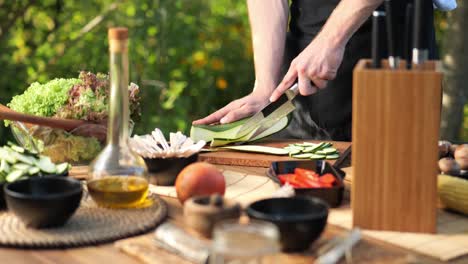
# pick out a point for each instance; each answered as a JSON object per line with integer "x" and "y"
{"x": 332, "y": 156}
{"x": 329, "y": 150}
{"x": 14, "y": 175}
{"x": 46, "y": 165}
{"x": 303, "y": 156}
{"x": 62, "y": 168}
{"x": 317, "y": 157}
{"x": 258, "y": 149}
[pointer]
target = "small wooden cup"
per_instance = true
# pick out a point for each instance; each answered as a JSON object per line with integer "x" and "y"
{"x": 201, "y": 213}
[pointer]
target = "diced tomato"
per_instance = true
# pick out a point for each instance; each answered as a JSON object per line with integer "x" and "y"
{"x": 327, "y": 178}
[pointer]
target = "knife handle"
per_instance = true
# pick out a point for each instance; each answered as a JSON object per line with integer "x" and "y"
{"x": 377, "y": 43}
{"x": 293, "y": 91}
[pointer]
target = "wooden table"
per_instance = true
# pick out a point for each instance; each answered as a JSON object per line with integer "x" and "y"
{"x": 367, "y": 251}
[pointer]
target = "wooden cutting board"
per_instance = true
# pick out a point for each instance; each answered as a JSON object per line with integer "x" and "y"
{"x": 237, "y": 158}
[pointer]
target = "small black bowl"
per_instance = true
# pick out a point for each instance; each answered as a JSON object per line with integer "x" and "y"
{"x": 42, "y": 202}
{"x": 300, "y": 220}
{"x": 332, "y": 195}
{"x": 2, "y": 194}
{"x": 166, "y": 170}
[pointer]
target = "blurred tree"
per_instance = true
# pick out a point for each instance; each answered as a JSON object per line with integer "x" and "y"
{"x": 456, "y": 78}
{"x": 189, "y": 57}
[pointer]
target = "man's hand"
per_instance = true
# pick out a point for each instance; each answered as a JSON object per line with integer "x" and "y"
{"x": 313, "y": 67}
{"x": 319, "y": 62}
{"x": 237, "y": 109}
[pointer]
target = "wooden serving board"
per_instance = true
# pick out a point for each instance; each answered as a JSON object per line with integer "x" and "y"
{"x": 237, "y": 158}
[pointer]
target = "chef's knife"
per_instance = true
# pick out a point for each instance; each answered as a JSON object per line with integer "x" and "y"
{"x": 408, "y": 35}
{"x": 269, "y": 114}
{"x": 420, "y": 31}
{"x": 377, "y": 43}
{"x": 393, "y": 58}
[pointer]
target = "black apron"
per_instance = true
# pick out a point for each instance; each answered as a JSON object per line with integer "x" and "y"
{"x": 326, "y": 115}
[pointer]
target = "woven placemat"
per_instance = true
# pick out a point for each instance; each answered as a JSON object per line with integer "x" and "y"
{"x": 90, "y": 225}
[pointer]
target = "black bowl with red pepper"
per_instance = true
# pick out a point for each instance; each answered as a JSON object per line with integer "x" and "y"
{"x": 315, "y": 178}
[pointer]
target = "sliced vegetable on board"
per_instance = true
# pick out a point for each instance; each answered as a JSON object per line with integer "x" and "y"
{"x": 258, "y": 149}
{"x": 314, "y": 151}
{"x": 18, "y": 163}
{"x": 245, "y": 130}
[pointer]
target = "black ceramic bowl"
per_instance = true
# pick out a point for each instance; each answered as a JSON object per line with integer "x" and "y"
{"x": 332, "y": 195}
{"x": 166, "y": 170}
{"x": 300, "y": 220}
{"x": 43, "y": 201}
{"x": 2, "y": 195}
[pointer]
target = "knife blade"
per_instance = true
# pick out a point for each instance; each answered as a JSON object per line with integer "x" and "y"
{"x": 269, "y": 114}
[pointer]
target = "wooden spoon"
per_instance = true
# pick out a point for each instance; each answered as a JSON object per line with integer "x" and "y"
{"x": 65, "y": 124}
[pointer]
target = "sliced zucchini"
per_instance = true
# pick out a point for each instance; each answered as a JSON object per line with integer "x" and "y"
{"x": 23, "y": 158}
{"x": 4, "y": 167}
{"x": 320, "y": 152}
{"x": 303, "y": 156}
{"x": 5, "y": 155}
{"x": 296, "y": 147}
{"x": 46, "y": 165}
{"x": 14, "y": 175}
{"x": 309, "y": 149}
{"x": 332, "y": 156}
{"x": 17, "y": 148}
{"x": 259, "y": 149}
{"x": 319, "y": 146}
{"x": 21, "y": 166}
{"x": 62, "y": 168}
{"x": 317, "y": 156}
{"x": 294, "y": 152}
{"x": 33, "y": 170}
{"x": 329, "y": 150}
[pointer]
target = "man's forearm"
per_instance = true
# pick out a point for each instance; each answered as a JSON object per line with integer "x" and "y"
{"x": 346, "y": 19}
{"x": 268, "y": 22}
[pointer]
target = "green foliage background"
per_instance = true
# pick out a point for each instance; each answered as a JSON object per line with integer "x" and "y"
{"x": 189, "y": 57}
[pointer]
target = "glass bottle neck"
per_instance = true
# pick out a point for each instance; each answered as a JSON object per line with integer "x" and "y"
{"x": 117, "y": 133}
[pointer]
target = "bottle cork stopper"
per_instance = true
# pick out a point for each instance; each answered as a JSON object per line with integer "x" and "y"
{"x": 118, "y": 33}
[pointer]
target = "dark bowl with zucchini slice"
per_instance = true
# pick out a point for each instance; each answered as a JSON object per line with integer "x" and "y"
{"x": 332, "y": 195}
{"x": 17, "y": 163}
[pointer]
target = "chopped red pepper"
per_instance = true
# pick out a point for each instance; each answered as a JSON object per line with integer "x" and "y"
{"x": 291, "y": 179}
{"x": 303, "y": 178}
{"x": 305, "y": 173}
{"x": 327, "y": 178}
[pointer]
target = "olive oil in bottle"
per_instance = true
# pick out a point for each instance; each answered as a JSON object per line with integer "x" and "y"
{"x": 118, "y": 176}
{"x": 118, "y": 192}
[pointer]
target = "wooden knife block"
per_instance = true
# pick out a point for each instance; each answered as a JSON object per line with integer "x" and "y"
{"x": 396, "y": 119}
